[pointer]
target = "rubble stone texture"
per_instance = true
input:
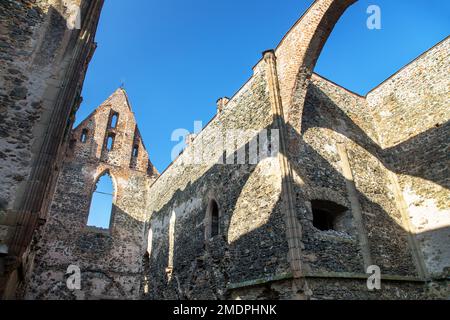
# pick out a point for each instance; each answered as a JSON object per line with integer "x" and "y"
{"x": 110, "y": 260}
{"x": 44, "y": 55}
{"x": 381, "y": 159}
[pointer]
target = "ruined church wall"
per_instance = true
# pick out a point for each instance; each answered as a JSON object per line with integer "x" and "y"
{"x": 252, "y": 243}
{"x": 411, "y": 110}
{"x": 336, "y": 121}
{"x": 42, "y": 66}
{"x": 341, "y": 288}
{"x": 332, "y": 117}
{"x": 26, "y": 59}
{"x": 110, "y": 260}
{"x": 98, "y": 126}
{"x": 33, "y": 47}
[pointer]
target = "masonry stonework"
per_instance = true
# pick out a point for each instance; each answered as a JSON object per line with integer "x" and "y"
{"x": 411, "y": 110}
{"x": 291, "y": 191}
{"x": 110, "y": 260}
{"x": 44, "y": 55}
{"x": 337, "y": 154}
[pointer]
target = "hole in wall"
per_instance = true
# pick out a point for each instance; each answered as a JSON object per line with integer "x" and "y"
{"x": 102, "y": 203}
{"x": 327, "y": 215}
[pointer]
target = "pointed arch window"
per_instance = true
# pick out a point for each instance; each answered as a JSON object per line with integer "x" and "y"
{"x": 212, "y": 220}
{"x": 101, "y": 208}
{"x": 114, "y": 120}
{"x": 109, "y": 146}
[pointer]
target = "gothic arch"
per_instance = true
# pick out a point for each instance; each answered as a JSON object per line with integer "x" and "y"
{"x": 289, "y": 69}
{"x": 299, "y": 50}
{"x": 212, "y": 219}
{"x": 103, "y": 173}
{"x": 113, "y": 178}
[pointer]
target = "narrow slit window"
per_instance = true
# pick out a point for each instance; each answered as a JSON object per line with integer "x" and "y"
{"x": 84, "y": 136}
{"x": 110, "y": 143}
{"x": 114, "y": 120}
{"x": 135, "y": 151}
{"x": 100, "y": 211}
{"x": 213, "y": 220}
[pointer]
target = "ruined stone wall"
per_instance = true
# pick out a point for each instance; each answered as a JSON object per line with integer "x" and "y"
{"x": 335, "y": 153}
{"x": 383, "y": 158}
{"x": 411, "y": 112}
{"x": 335, "y": 287}
{"x": 338, "y": 132}
{"x": 43, "y": 60}
{"x": 98, "y": 127}
{"x": 251, "y": 243}
{"x": 251, "y": 252}
{"x": 110, "y": 261}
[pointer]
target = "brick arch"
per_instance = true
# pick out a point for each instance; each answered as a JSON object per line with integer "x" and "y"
{"x": 299, "y": 50}
{"x": 289, "y": 70}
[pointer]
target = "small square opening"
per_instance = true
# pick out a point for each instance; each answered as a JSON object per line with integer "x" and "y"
{"x": 327, "y": 214}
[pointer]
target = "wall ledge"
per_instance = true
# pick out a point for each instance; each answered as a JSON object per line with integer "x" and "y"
{"x": 329, "y": 275}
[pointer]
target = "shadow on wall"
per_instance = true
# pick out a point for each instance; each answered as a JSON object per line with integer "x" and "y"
{"x": 46, "y": 61}
{"x": 414, "y": 157}
{"x": 422, "y": 156}
{"x": 203, "y": 269}
{"x": 103, "y": 259}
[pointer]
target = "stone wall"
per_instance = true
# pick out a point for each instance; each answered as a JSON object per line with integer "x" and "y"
{"x": 43, "y": 60}
{"x": 381, "y": 160}
{"x": 110, "y": 260}
{"x": 340, "y": 287}
{"x": 189, "y": 265}
{"x": 336, "y": 152}
{"x": 411, "y": 112}
{"x": 337, "y": 128}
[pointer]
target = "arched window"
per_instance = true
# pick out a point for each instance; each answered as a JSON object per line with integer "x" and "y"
{"x": 114, "y": 120}
{"x": 110, "y": 142}
{"x": 212, "y": 220}
{"x": 84, "y": 135}
{"x": 102, "y": 203}
{"x": 135, "y": 151}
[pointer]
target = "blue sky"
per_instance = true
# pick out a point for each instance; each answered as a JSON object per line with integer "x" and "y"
{"x": 176, "y": 57}
{"x": 101, "y": 204}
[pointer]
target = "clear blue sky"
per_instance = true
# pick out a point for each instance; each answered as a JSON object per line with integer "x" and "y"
{"x": 101, "y": 204}
{"x": 176, "y": 57}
